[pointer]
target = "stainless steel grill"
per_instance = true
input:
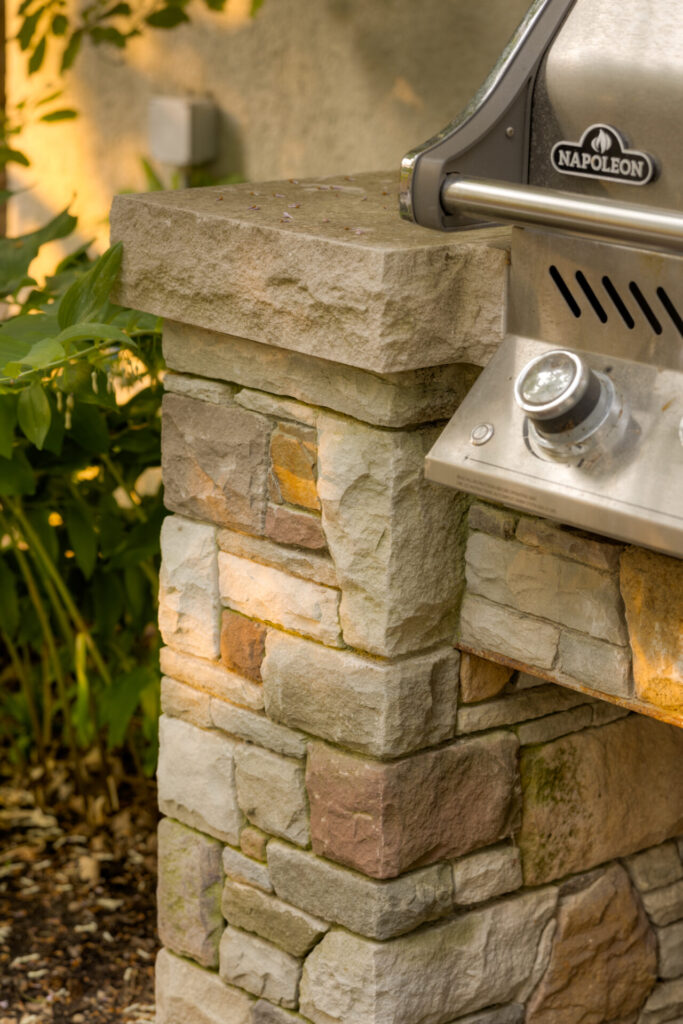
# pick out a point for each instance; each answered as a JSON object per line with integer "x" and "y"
{"x": 576, "y": 139}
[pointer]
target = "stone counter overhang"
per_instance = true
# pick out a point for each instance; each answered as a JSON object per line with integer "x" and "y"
{"x": 326, "y": 269}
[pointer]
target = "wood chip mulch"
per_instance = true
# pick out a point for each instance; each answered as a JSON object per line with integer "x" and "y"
{"x": 77, "y": 912}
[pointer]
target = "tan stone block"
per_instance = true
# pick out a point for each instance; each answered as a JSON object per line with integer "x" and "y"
{"x": 277, "y": 597}
{"x": 310, "y": 565}
{"x": 272, "y": 794}
{"x": 289, "y": 526}
{"x": 178, "y": 700}
{"x": 603, "y": 956}
{"x": 189, "y": 604}
{"x": 598, "y": 794}
{"x": 655, "y": 868}
{"x": 664, "y": 906}
{"x": 518, "y": 707}
{"x": 288, "y": 927}
{"x": 187, "y": 994}
{"x": 293, "y": 459}
{"x": 490, "y": 627}
{"x": 665, "y": 1005}
{"x": 258, "y": 966}
{"x": 189, "y": 892}
{"x": 244, "y": 869}
{"x": 215, "y": 461}
{"x": 257, "y": 728}
{"x": 537, "y": 583}
{"x": 243, "y": 644}
{"x": 652, "y": 587}
{"x": 253, "y": 842}
{"x": 211, "y": 677}
{"x": 481, "y": 679}
{"x": 498, "y": 522}
{"x": 383, "y": 819}
{"x": 560, "y": 540}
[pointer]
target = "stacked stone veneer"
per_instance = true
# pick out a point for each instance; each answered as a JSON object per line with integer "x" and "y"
{"x": 363, "y": 825}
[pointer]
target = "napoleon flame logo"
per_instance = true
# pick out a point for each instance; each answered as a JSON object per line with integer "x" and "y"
{"x": 603, "y": 153}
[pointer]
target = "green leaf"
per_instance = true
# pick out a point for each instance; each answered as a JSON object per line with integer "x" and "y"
{"x": 60, "y": 24}
{"x": 28, "y": 28}
{"x": 256, "y": 6}
{"x": 43, "y": 353}
{"x": 82, "y": 537}
{"x": 92, "y": 332}
{"x": 21, "y": 333}
{"x": 60, "y": 115}
{"x": 17, "y": 254}
{"x": 154, "y": 182}
{"x": 107, "y": 34}
{"x": 34, "y": 413}
{"x": 89, "y": 428}
{"x": 167, "y": 17}
{"x": 89, "y": 292}
{"x": 37, "y": 57}
{"x": 72, "y": 48}
{"x": 119, "y": 702}
{"x": 215, "y": 5}
{"x": 117, "y": 10}
{"x": 13, "y": 156}
{"x": 38, "y": 518}
{"x": 9, "y": 601}
{"x": 16, "y": 476}
{"x": 8, "y": 419}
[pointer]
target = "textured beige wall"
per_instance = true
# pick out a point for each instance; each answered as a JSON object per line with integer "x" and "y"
{"x": 308, "y": 87}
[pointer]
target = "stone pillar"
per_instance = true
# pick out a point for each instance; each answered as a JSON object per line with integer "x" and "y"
{"x": 362, "y": 825}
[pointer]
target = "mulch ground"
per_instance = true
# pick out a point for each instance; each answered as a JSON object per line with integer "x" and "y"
{"x": 77, "y": 911}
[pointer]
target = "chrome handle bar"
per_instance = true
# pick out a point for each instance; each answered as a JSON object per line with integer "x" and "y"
{"x": 586, "y": 215}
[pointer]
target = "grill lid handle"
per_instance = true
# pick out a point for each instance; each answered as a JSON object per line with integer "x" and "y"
{"x": 526, "y": 205}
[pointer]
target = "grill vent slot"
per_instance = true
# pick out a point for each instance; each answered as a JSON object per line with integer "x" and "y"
{"x": 619, "y": 303}
{"x": 564, "y": 291}
{"x": 671, "y": 310}
{"x": 610, "y": 290}
{"x": 645, "y": 306}
{"x": 591, "y": 296}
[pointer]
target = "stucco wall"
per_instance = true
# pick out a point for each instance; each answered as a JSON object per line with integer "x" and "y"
{"x": 308, "y": 87}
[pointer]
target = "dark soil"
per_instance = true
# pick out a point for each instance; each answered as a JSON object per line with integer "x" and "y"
{"x": 77, "y": 910}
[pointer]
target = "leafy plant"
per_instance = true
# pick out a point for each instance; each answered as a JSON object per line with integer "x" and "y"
{"x": 79, "y": 521}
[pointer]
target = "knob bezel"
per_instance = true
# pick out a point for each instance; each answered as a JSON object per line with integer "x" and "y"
{"x": 564, "y": 403}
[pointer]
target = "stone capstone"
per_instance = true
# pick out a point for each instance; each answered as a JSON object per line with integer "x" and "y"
{"x": 292, "y": 929}
{"x": 390, "y": 297}
{"x": 196, "y": 779}
{"x": 259, "y": 967}
{"x": 272, "y": 794}
{"x": 189, "y": 603}
{"x": 486, "y": 874}
{"x": 481, "y": 679}
{"x": 190, "y": 879}
{"x": 435, "y": 975}
{"x": 380, "y": 708}
{"x": 268, "y": 594}
{"x": 598, "y": 794}
{"x": 187, "y": 994}
{"x": 215, "y": 462}
{"x": 377, "y": 909}
{"x": 603, "y": 961}
{"x": 652, "y": 587}
{"x": 383, "y": 819}
{"x": 393, "y": 536}
{"x": 211, "y": 677}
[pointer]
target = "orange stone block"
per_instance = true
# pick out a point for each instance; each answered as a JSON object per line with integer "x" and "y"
{"x": 243, "y": 644}
{"x": 293, "y": 455}
{"x": 481, "y": 679}
{"x": 652, "y": 588}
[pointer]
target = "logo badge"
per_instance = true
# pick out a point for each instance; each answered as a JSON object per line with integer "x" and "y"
{"x": 602, "y": 153}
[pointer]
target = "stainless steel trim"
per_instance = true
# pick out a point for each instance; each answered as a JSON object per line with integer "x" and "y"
{"x": 586, "y": 215}
{"x": 506, "y": 88}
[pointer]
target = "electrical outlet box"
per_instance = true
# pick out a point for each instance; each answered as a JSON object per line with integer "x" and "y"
{"x": 182, "y": 130}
